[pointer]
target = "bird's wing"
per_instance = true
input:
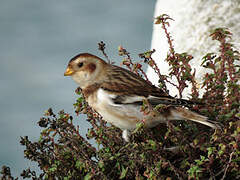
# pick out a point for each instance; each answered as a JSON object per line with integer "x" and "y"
{"x": 153, "y": 100}
{"x": 125, "y": 82}
{"x": 128, "y": 88}
{"x": 156, "y": 100}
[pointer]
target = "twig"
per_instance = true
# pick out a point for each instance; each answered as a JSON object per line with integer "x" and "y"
{"x": 225, "y": 171}
{"x": 130, "y": 65}
{"x": 163, "y": 19}
{"x": 101, "y": 47}
{"x": 144, "y": 74}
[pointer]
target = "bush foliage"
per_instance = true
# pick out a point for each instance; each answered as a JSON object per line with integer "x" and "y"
{"x": 177, "y": 150}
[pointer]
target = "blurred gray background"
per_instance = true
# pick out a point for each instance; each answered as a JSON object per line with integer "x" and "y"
{"x": 37, "y": 39}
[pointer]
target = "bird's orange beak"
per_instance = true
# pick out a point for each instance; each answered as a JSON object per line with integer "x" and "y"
{"x": 68, "y": 72}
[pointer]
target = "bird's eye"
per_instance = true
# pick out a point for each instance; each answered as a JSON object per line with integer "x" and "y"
{"x": 80, "y": 64}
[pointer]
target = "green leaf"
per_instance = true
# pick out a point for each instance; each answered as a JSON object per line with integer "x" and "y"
{"x": 79, "y": 164}
{"x": 152, "y": 144}
{"x": 194, "y": 172}
{"x": 53, "y": 168}
{"x": 210, "y": 150}
{"x": 138, "y": 127}
{"x": 123, "y": 173}
{"x": 101, "y": 164}
{"x": 87, "y": 177}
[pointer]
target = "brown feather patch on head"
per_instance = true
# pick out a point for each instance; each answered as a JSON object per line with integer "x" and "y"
{"x": 85, "y": 55}
{"x": 91, "y": 67}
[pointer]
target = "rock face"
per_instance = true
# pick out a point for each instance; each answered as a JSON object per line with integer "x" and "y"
{"x": 193, "y": 21}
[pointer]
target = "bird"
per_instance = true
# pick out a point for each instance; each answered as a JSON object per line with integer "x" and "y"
{"x": 118, "y": 94}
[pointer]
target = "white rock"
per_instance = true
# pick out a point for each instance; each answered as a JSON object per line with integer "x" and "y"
{"x": 193, "y": 21}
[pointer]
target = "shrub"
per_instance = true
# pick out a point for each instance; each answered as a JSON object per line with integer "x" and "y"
{"x": 177, "y": 150}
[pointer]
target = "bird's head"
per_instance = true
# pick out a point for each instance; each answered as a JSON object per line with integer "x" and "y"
{"x": 85, "y": 69}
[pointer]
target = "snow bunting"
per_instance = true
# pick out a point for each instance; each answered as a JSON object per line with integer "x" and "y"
{"x": 118, "y": 95}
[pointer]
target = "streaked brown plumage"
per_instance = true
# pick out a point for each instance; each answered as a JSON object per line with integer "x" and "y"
{"x": 117, "y": 95}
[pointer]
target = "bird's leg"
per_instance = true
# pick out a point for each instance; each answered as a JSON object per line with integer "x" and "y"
{"x": 125, "y": 135}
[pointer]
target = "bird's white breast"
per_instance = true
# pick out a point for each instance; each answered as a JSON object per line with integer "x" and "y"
{"x": 120, "y": 115}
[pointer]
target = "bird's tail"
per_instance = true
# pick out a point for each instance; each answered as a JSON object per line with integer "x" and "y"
{"x": 179, "y": 113}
